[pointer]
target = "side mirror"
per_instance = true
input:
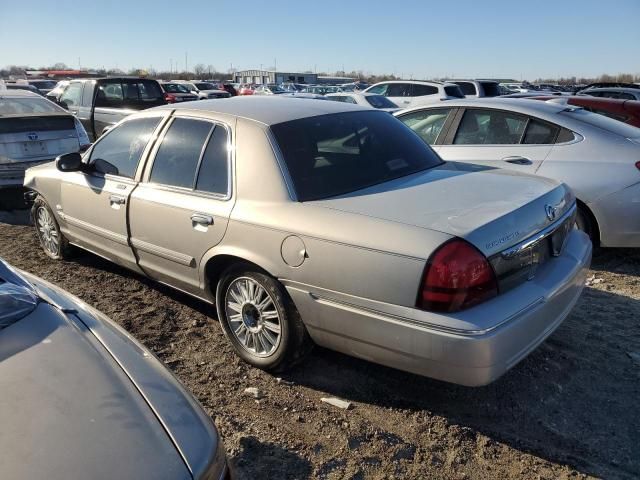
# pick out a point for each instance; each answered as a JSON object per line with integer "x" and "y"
{"x": 63, "y": 104}
{"x": 69, "y": 162}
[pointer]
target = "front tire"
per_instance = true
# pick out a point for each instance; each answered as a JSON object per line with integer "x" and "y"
{"x": 51, "y": 239}
{"x": 260, "y": 320}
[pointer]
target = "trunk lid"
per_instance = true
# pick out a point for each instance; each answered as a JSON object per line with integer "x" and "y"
{"x": 491, "y": 208}
{"x": 36, "y": 137}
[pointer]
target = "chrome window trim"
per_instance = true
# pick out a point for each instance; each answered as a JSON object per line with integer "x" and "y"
{"x": 146, "y": 175}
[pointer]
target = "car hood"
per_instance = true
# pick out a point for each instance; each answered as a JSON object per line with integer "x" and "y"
{"x": 492, "y": 208}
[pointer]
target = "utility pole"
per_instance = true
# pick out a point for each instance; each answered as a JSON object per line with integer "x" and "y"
{"x": 171, "y": 65}
{"x": 186, "y": 65}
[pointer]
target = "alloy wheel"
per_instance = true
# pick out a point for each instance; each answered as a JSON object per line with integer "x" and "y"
{"x": 253, "y": 317}
{"x": 47, "y": 231}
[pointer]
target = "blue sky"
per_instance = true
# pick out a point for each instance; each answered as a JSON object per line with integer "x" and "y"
{"x": 412, "y": 38}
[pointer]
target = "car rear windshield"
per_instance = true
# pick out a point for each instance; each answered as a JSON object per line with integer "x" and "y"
{"x": 18, "y": 106}
{"x": 600, "y": 121}
{"x": 334, "y": 154}
{"x": 205, "y": 86}
{"x": 380, "y": 101}
{"x": 453, "y": 91}
{"x": 175, "y": 88}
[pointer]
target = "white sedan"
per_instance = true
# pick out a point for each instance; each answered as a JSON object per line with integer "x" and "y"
{"x": 365, "y": 99}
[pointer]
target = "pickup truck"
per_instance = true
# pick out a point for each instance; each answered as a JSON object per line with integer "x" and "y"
{"x": 100, "y": 103}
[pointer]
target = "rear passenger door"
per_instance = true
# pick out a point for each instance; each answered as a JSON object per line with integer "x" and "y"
{"x": 399, "y": 93}
{"x": 499, "y": 139}
{"x": 181, "y": 208}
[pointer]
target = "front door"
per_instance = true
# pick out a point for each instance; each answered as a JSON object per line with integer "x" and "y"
{"x": 181, "y": 208}
{"x": 499, "y": 139}
{"x": 93, "y": 204}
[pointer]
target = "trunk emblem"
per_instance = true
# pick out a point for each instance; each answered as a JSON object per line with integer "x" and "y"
{"x": 32, "y": 136}
{"x": 551, "y": 212}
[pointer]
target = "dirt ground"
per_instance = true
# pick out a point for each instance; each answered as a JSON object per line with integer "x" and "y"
{"x": 570, "y": 410}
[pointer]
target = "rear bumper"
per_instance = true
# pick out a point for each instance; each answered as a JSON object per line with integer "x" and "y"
{"x": 497, "y": 334}
{"x": 618, "y": 216}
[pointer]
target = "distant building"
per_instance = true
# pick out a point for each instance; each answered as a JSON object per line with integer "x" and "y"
{"x": 270, "y": 76}
{"x": 326, "y": 80}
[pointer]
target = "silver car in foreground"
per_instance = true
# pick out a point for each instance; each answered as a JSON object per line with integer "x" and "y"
{"x": 319, "y": 221}
{"x": 82, "y": 399}
{"x": 596, "y": 156}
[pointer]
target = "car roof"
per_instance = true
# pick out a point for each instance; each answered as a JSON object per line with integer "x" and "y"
{"x": 268, "y": 110}
{"x": 419, "y": 82}
{"x": 610, "y": 89}
{"x": 19, "y": 93}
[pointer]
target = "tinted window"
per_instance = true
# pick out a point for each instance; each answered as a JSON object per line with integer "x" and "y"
{"x": 177, "y": 158}
{"x": 175, "y": 88}
{"x": 539, "y": 133}
{"x": 109, "y": 95}
{"x": 119, "y": 151}
{"x": 214, "y": 170}
{"x": 491, "y": 89}
{"x": 427, "y": 123}
{"x": 72, "y": 94}
{"x": 490, "y": 127}
{"x": 399, "y": 90}
{"x": 418, "y": 90}
{"x": 334, "y": 154}
{"x": 378, "y": 101}
{"x": 453, "y": 91}
{"x": 467, "y": 88}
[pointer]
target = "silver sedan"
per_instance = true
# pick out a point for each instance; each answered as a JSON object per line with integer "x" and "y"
{"x": 598, "y": 157}
{"x": 324, "y": 222}
{"x": 82, "y": 399}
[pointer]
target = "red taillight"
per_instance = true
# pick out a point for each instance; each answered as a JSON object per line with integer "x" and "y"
{"x": 457, "y": 276}
{"x": 170, "y": 98}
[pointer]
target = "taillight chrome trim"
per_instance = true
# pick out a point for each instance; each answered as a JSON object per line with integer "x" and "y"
{"x": 538, "y": 237}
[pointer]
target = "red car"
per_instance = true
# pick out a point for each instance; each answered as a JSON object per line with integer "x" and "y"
{"x": 627, "y": 111}
{"x": 246, "y": 89}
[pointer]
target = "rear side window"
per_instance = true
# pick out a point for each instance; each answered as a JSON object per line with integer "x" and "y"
{"x": 140, "y": 94}
{"x": 427, "y": 123}
{"x": 213, "y": 176}
{"x": 491, "y": 89}
{"x": 178, "y": 156}
{"x": 467, "y": 88}
{"x": 119, "y": 151}
{"x": 453, "y": 91}
{"x": 540, "y": 133}
{"x": 399, "y": 90}
{"x": 418, "y": 90}
{"x": 490, "y": 127}
{"x": 335, "y": 154}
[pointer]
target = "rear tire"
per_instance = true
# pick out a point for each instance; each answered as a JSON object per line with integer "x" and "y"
{"x": 585, "y": 223}
{"x": 260, "y": 320}
{"x": 51, "y": 239}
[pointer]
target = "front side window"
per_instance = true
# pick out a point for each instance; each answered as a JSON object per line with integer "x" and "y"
{"x": 177, "y": 159}
{"x": 119, "y": 151}
{"x": 335, "y": 154}
{"x": 490, "y": 127}
{"x": 72, "y": 94}
{"x": 110, "y": 95}
{"x": 427, "y": 123}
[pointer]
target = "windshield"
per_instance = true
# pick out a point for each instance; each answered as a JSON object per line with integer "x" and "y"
{"x": 334, "y": 154}
{"x": 204, "y": 86}
{"x": 379, "y": 101}
{"x": 605, "y": 123}
{"x": 19, "y": 106}
{"x": 275, "y": 88}
{"x": 175, "y": 88}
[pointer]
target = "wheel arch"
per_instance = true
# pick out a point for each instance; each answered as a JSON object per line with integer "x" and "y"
{"x": 217, "y": 260}
{"x": 592, "y": 218}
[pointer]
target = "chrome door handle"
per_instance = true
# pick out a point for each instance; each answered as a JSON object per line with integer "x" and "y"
{"x": 517, "y": 160}
{"x": 117, "y": 200}
{"x": 202, "y": 219}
